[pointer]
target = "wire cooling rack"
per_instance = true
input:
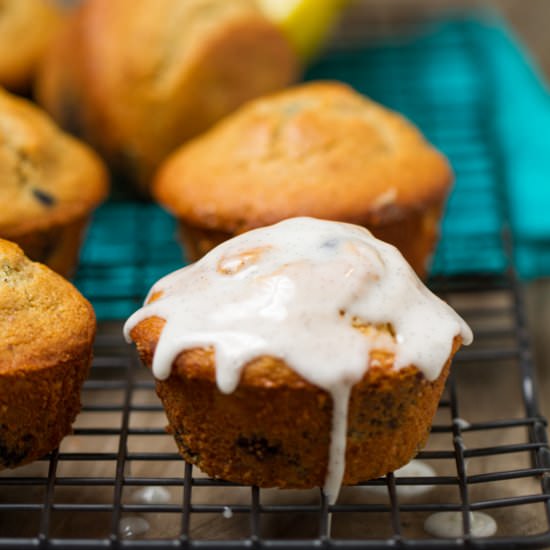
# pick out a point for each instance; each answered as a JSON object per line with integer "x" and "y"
{"x": 487, "y": 449}
{"x": 118, "y": 482}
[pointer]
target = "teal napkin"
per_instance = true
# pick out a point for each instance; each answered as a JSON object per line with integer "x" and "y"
{"x": 522, "y": 125}
{"x": 471, "y": 88}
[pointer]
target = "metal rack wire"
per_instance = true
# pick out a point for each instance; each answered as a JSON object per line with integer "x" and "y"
{"x": 77, "y": 497}
{"x": 488, "y": 447}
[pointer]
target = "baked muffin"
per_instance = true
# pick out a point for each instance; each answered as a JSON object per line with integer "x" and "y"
{"x": 302, "y": 354}
{"x": 26, "y": 29}
{"x": 46, "y": 334}
{"x": 137, "y": 79}
{"x": 319, "y": 149}
{"x": 49, "y": 185}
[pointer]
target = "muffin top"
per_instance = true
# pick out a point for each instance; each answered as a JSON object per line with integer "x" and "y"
{"x": 298, "y": 290}
{"x": 46, "y": 176}
{"x": 26, "y": 29}
{"x": 43, "y": 318}
{"x": 319, "y": 149}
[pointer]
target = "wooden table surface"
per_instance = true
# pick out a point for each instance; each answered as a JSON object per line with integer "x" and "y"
{"x": 476, "y": 385}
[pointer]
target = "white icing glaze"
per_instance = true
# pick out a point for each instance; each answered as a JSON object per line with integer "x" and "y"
{"x": 291, "y": 291}
{"x": 415, "y": 468}
{"x": 133, "y": 526}
{"x": 227, "y": 512}
{"x": 151, "y": 495}
{"x": 449, "y": 525}
{"x": 461, "y": 423}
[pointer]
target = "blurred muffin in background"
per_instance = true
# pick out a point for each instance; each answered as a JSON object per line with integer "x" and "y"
{"x": 26, "y": 29}
{"x": 49, "y": 185}
{"x": 319, "y": 149}
{"x": 137, "y": 79}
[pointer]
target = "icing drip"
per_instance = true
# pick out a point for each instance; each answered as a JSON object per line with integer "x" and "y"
{"x": 416, "y": 469}
{"x": 461, "y": 423}
{"x": 450, "y": 525}
{"x": 294, "y": 291}
{"x": 337, "y": 451}
{"x": 151, "y": 495}
{"x": 133, "y": 526}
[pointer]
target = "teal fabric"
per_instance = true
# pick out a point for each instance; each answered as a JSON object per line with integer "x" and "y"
{"x": 130, "y": 245}
{"x": 471, "y": 89}
{"x": 522, "y": 125}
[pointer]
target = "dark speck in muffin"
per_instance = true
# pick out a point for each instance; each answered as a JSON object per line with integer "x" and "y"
{"x": 258, "y": 446}
{"x": 330, "y": 243}
{"x": 42, "y": 196}
{"x": 12, "y": 457}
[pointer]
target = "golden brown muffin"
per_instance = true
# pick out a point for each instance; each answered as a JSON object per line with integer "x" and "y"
{"x": 26, "y": 30}
{"x": 137, "y": 79}
{"x": 46, "y": 334}
{"x": 49, "y": 185}
{"x": 300, "y": 354}
{"x": 319, "y": 149}
{"x": 249, "y": 437}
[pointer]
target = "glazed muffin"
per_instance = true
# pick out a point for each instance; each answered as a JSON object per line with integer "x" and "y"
{"x": 26, "y": 30}
{"x": 46, "y": 334}
{"x": 137, "y": 79}
{"x": 49, "y": 185}
{"x": 319, "y": 149}
{"x": 302, "y": 354}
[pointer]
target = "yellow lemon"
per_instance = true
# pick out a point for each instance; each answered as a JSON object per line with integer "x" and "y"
{"x": 306, "y": 23}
